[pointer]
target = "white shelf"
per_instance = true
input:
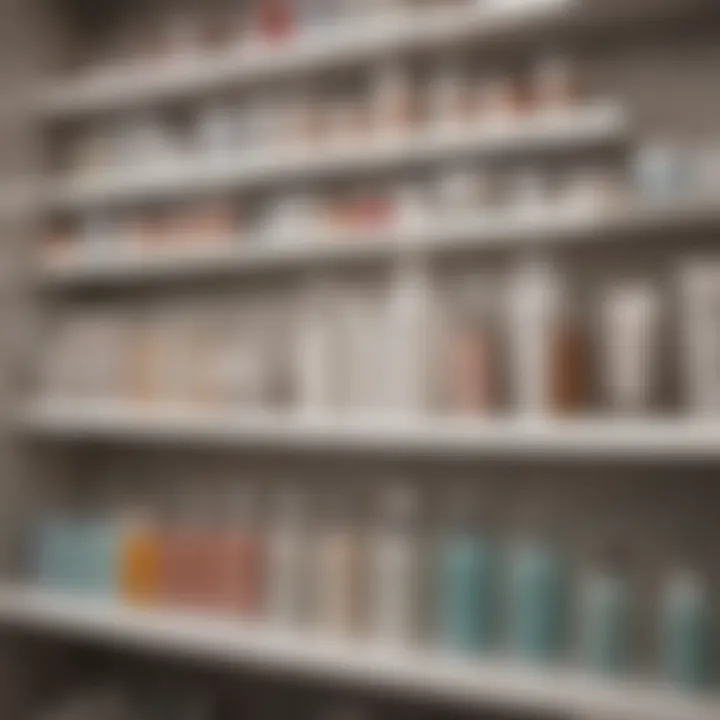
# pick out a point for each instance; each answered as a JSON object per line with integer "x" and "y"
{"x": 585, "y": 127}
{"x": 262, "y": 254}
{"x": 481, "y": 683}
{"x": 582, "y": 437}
{"x": 348, "y": 44}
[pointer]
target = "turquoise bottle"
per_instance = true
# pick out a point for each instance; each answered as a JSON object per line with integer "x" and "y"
{"x": 467, "y": 583}
{"x": 537, "y": 600}
{"x": 57, "y": 547}
{"x": 687, "y": 628}
{"x": 606, "y": 615}
{"x": 101, "y": 537}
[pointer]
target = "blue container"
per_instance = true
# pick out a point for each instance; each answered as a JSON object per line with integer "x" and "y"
{"x": 537, "y": 610}
{"x": 468, "y": 593}
{"x": 57, "y": 562}
{"x": 99, "y": 557}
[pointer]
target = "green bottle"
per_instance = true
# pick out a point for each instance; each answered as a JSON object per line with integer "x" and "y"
{"x": 537, "y": 612}
{"x": 606, "y": 614}
{"x": 687, "y": 626}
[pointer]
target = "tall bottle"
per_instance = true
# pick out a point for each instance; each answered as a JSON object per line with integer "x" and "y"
{"x": 467, "y": 584}
{"x": 245, "y": 554}
{"x": 394, "y": 581}
{"x": 606, "y": 614}
{"x": 102, "y": 543}
{"x": 56, "y": 548}
{"x": 687, "y": 625}
{"x": 537, "y": 599}
{"x": 139, "y": 558}
{"x": 288, "y": 556}
{"x": 339, "y": 571}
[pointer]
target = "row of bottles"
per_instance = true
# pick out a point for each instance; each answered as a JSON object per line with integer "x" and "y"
{"x": 456, "y": 586}
{"x": 478, "y": 346}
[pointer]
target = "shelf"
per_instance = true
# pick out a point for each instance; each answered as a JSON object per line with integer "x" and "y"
{"x": 583, "y": 437}
{"x": 137, "y": 85}
{"x": 494, "y": 26}
{"x": 417, "y": 673}
{"x": 585, "y": 127}
{"x": 262, "y": 254}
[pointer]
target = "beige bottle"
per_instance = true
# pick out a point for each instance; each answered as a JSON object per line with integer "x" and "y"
{"x": 339, "y": 569}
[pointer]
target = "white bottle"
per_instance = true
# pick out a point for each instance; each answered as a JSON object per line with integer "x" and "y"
{"x": 395, "y": 574}
{"x": 288, "y": 560}
{"x": 700, "y": 339}
{"x": 536, "y": 295}
{"x": 630, "y": 319}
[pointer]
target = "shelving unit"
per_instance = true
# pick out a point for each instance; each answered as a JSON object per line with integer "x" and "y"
{"x": 582, "y": 128}
{"x": 495, "y": 30}
{"x": 678, "y": 440}
{"x": 474, "y": 684}
{"x": 258, "y": 255}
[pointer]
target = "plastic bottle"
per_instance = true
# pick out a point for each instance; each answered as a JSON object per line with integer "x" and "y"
{"x": 288, "y": 560}
{"x": 394, "y": 589}
{"x": 606, "y": 614}
{"x": 687, "y": 625}
{"x": 537, "y": 601}
{"x": 338, "y": 578}
{"x": 468, "y": 580}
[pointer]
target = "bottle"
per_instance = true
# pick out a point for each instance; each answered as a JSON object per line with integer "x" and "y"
{"x": 606, "y": 617}
{"x": 245, "y": 560}
{"x": 537, "y": 612}
{"x": 472, "y": 368}
{"x": 687, "y": 625}
{"x": 276, "y": 19}
{"x": 467, "y": 584}
{"x": 56, "y": 548}
{"x": 394, "y": 588}
{"x": 338, "y": 576}
{"x": 139, "y": 557}
{"x": 288, "y": 556}
{"x": 550, "y": 350}
{"x": 631, "y": 346}
{"x": 102, "y": 544}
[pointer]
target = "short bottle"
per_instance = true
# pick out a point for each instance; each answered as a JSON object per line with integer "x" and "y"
{"x": 467, "y": 580}
{"x": 687, "y": 626}
{"x": 606, "y": 614}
